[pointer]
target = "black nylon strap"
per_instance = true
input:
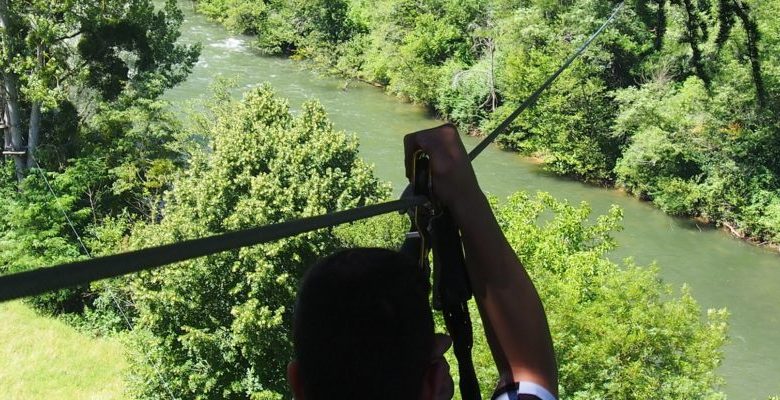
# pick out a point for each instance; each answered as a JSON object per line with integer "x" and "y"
{"x": 38, "y": 281}
{"x": 451, "y": 293}
{"x": 458, "y": 322}
{"x": 41, "y": 280}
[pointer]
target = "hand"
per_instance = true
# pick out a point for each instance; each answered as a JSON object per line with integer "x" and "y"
{"x": 454, "y": 182}
{"x": 514, "y": 318}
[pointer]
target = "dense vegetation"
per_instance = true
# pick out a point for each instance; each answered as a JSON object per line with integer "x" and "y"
{"x": 82, "y": 80}
{"x": 218, "y": 327}
{"x": 128, "y": 174}
{"x": 676, "y": 103}
{"x": 220, "y": 324}
{"x": 619, "y": 332}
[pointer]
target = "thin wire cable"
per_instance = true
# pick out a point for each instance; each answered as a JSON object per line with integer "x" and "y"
{"x": 531, "y": 100}
{"x": 89, "y": 254}
{"x": 61, "y": 276}
{"x": 57, "y": 204}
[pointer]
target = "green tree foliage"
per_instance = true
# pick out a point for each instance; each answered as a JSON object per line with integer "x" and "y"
{"x": 85, "y": 53}
{"x": 619, "y": 331}
{"x": 84, "y": 80}
{"x": 35, "y": 232}
{"x": 218, "y": 326}
{"x": 122, "y": 163}
{"x": 691, "y": 157}
{"x": 672, "y": 140}
{"x": 473, "y": 61}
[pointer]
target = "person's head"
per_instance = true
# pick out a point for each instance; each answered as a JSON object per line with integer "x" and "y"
{"x": 363, "y": 329}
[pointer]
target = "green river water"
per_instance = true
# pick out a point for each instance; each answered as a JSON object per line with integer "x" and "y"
{"x": 722, "y": 271}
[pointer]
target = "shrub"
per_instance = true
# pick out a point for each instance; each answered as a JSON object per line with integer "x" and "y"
{"x": 218, "y": 326}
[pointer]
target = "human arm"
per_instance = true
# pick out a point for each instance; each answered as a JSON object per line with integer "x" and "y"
{"x": 513, "y": 315}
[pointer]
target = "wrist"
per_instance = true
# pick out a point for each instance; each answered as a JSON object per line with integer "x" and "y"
{"x": 471, "y": 208}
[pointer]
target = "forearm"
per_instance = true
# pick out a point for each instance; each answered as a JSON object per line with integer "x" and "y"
{"x": 513, "y": 315}
{"x": 515, "y": 323}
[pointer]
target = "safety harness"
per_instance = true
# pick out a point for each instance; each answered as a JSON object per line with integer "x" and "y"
{"x": 434, "y": 230}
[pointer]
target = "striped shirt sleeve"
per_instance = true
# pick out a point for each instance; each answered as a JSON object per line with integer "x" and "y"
{"x": 523, "y": 391}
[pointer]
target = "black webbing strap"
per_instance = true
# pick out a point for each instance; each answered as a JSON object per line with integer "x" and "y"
{"x": 458, "y": 322}
{"x": 66, "y": 275}
{"x": 41, "y": 280}
{"x": 451, "y": 293}
{"x": 434, "y": 230}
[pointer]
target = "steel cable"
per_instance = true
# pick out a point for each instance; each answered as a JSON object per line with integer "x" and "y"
{"x": 41, "y": 280}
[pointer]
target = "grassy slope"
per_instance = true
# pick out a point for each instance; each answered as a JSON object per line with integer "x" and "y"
{"x": 43, "y": 358}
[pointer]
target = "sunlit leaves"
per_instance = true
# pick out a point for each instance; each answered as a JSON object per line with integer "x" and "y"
{"x": 220, "y": 324}
{"x": 618, "y": 331}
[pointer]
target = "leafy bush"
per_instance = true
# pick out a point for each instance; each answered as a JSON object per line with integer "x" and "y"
{"x": 677, "y": 196}
{"x": 218, "y": 326}
{"x": 687, "y": 154}
{"x": 38, "y": 234}
{"x": 464, "y": 93}
{"x": 619, "y": 332}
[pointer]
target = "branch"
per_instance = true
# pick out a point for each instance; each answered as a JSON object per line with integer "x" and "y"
{"x": 71, "y": 36}
{"x": 70, "y": 72}
{"x": 734, "y": 231}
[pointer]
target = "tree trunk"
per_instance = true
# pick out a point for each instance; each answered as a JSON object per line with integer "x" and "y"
{"x": 33, "y": 134}
{"x": 34, "y": 130}
{"x": 13, "y": 108}
{"x": 694, "y": 38}
{"x": 493, "y": 96}
{"x": 15, "y": 122}
{"x": 4, "y": 118}
{"x": 660, "y": 25}
{"x": 751, "y": 30}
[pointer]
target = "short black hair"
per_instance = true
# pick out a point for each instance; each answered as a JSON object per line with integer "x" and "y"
{"x": 363, "y": 327}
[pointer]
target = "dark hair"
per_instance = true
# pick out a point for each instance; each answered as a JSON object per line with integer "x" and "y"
{"x": 363, "y": 327}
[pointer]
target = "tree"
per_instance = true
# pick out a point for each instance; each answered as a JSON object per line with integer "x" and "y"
{"x": 81, "y": 82}
{"x": 103, "y": 50}
{"x": 619, "y": 332}
{"x": 36, "y": 233}
{"x": 218, "y": 326}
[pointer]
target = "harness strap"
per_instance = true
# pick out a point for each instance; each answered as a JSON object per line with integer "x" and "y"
{"x": 433, "y": 229}
{"x": 41, "y": 280}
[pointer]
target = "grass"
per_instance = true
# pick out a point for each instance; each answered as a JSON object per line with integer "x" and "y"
{"x": 43, "y": 358}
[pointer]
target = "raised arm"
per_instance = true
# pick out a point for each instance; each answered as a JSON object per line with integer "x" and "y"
{"x": 513, "y": 315}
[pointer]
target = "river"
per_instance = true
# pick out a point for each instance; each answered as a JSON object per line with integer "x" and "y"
{"x": 721, "y": 270}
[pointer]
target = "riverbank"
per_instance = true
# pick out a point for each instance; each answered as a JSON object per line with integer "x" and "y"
{"x": 719, "y": 269}
{"x": 597, "y": 122}
{"x": 728, "y": 227}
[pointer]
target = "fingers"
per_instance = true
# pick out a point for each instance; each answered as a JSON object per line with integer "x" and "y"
{"x": 452, "y": 177}
{"x": 410, "y": 147}
{"x": 441, "y": 343}
{"x": 432, "y": 141}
